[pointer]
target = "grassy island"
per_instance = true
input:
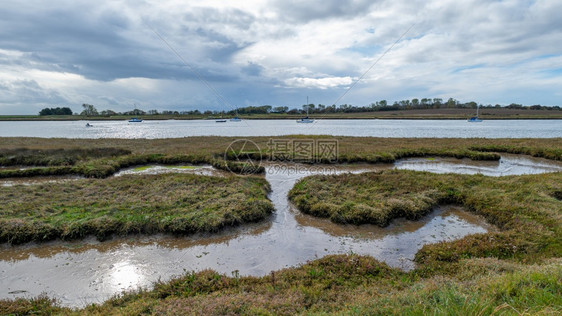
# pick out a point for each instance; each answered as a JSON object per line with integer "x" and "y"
{"x": 515, "y": 204}
{"x": 169, "y": 203}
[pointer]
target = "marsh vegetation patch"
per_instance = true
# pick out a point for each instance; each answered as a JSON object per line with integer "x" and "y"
{"x": 172, "y": 203}
{"x": 516, "y": 204}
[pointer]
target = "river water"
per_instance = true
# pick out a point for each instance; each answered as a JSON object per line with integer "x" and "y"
{"x": 87, "y": 271}
{"x": 376, "y": 128}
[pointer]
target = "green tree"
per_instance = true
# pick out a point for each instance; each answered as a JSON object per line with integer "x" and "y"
{"x": 108, "y": 113}
{"x": 437, "y": 102}
{"x": 56, "y": 111}
{"x": 46, "y": 111}
{"x": 280, "y": 109}
{"x": 451, "y": 103}
{"x": 89, "y": 110}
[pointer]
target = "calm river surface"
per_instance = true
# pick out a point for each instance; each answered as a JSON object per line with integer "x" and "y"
{"x": 87, "y": 271}
{"x": 375, "y": 128}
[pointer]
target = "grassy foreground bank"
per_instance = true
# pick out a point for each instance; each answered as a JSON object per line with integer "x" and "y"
{"x": 350, "y": 285}
{"x": 170, "y": 203}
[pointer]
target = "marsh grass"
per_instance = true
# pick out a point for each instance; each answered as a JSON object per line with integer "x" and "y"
{"x": 55, "y": 157}
{"x": 517, "y": 205}
{"x": 100, "y": 158}
{"x": 169, "y": 203}
{"x": 514, "y": 271}
{"x": 105, "y": 167}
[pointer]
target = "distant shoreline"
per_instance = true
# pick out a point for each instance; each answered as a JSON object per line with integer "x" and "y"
{"x": 277, "y": 118}
{"x": 427, "y": 114}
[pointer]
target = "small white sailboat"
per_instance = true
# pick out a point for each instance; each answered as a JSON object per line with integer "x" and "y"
{"x": 306, "y": 119}
{"x": 475, "y": 119}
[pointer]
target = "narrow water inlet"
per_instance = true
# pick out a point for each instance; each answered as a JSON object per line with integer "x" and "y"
{"x": 83, "y": 272}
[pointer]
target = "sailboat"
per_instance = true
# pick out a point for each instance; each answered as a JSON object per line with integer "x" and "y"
{"x": 475, "y": 119}
{"x": 306, "y": 119}
{"x": 236, "y": 118}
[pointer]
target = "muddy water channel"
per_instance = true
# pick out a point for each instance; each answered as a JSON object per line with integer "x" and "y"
{"x": 87, "y": 271}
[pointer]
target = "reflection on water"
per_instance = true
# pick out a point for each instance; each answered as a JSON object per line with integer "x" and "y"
{"x": 126, "y": 275}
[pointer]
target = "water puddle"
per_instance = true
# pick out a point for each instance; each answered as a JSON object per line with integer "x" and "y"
{"x": 87, "y": 271}
{"x": 507, "y": 165}
{"x": 21, "y": 167}
{"x": 161, "y": 169}
{"x": 204, "y": 170}
{"x": 8, "y": 182}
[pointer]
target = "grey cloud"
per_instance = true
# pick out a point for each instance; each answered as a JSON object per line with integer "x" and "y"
{"x": 28, "y": 92}
{"x": 225, "y": 47}
{"x": 77, "y": 40}
{"x": 252, "y": 69}
{"x": 304, "y": 11}
{"x": 207, "y": 17}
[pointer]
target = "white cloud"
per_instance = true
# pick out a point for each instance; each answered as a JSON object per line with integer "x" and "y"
{"x": 321, "y": 83}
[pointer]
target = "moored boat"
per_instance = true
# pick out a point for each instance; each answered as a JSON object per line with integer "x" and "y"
{"x": 306, "y": 119}
{"x": 475, "y": 119}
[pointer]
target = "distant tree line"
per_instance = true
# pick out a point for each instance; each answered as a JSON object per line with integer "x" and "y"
{"x": 56, "y": 111}
{"x": 382, "y": 105}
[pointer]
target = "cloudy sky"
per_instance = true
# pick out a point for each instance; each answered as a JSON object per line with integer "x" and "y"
{"x": 120, "y": 54}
